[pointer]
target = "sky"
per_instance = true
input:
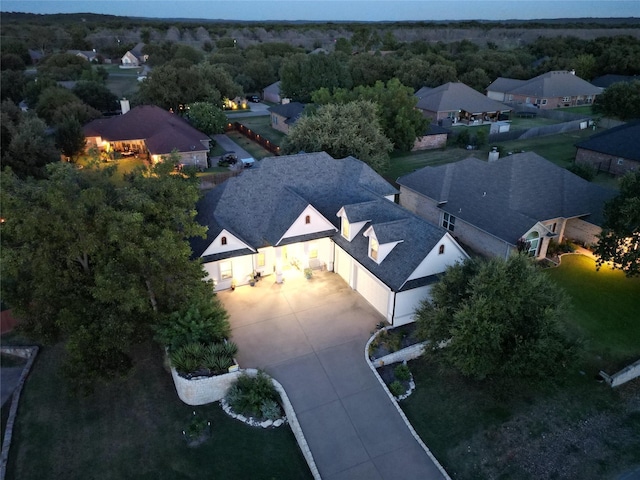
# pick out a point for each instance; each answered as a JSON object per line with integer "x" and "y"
{"x": 336, "y": 10}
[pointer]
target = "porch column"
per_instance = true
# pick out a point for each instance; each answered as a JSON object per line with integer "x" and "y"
{"x": 279, "y": 276}
{"x": 332, "y": 255}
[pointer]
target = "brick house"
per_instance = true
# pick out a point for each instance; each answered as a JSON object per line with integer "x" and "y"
{"x": 149, "y": 131}
{"x": 285, "y": 115}
{"x": 616, "y": 150}
{"x": 490, "y": 206}
{"x": 553, "y": 89}
{"x": 435, "y": 137}
{"x": 455, "y": 102}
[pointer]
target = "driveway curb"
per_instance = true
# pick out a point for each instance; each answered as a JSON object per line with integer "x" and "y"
{"x": 402, "y": 415}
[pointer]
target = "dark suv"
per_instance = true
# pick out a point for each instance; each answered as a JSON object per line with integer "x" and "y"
{"x": 253, "y": 98}
{"x": 227, "y": 158}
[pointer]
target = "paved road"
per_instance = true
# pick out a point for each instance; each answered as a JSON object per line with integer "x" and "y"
{"x": 310, "y": 335}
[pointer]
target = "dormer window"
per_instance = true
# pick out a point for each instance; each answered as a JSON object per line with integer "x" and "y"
{"x": 345, "y": 228}
{"x": 307, "y": 219}
{"x": 373, "y": 248}
{"x": 223, "y": 240}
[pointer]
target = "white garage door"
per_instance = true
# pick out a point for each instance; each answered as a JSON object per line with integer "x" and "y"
{"x": 376, "y": 293}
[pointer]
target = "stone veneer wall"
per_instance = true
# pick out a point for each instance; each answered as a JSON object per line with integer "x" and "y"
{"x": 582, "y": 231}
{"x": 429, "y": 142}
{"x": 604, "y": 162}
{"x": 203, "y": 390}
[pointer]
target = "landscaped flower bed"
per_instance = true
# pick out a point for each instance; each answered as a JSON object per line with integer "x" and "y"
{"x": 398, "y": 379}
{"x": 391, "y": 340}
{"x": 253, "y": 399}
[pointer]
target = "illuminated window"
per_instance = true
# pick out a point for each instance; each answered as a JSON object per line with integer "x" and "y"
{"x": 373, "y": 248}
{"x": 441, "y": 250}
{"x": 260, "y": 261}
{"x": 345, "y": 227}
{"x": 225, "y": 270}
{"x": 223, "y": 241}
{"x": 313, "y": 253}
{"x": 448, "y": 221}
{"x": 307, "y": 219}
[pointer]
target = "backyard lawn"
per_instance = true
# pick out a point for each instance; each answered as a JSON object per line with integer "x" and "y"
{"x": 577, "y": 427}
{"x": 132, "y": 428}
{"x": 605, "y": 307}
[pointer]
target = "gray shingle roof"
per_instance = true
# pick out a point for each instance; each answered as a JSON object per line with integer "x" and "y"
{"x": 457, "y": 96}
{"x": 557, "y": 83}
{"x": 291, "y": 111}
{"x": 259, "y": 206}
{"x": 507, "y": 197}
{"x": 621, "y": 141}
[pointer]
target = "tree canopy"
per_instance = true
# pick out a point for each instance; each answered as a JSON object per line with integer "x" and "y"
{"x": 621, "y": 100}
{"x": 96, "y": 264}
{"x": 400, "y": 121}
{"x": 341, "y": 130}
{"x": 300, "y": 75}
{"x": 497, "y": 318}
{"x": 207, "y": 118}
{"x": 620, "y": 238}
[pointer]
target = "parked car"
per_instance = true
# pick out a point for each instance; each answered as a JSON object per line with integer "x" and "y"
{"x": 227, "y": 158}
{"x": 248, "y": 162}
{"x": 253, "y": 98}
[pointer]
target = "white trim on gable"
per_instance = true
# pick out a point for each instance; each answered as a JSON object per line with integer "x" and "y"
{"x": 435, "y": 262}
{"x": 384, "y": 249}
{"x": 225, "y": 242}
{"x": 317, "y": 223}
{"x": 354, "y": 228}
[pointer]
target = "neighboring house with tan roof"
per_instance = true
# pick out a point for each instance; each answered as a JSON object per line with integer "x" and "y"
{"x": 284, "y": 116}
{"x": 455, "y": 102}
{"x": 152, "y": 131}
{"x": 491, "y": 206}
{"x": 616, "y": 150}
{"x": 87, "y": 55}
{"x": 553, "y": 89}
{"x": 313, "y": 211}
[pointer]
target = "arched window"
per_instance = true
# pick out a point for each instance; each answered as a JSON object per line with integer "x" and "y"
{"x": 441, "y": 250}
{"x": 307, "y": 219}
{"x": 223, "y": 240}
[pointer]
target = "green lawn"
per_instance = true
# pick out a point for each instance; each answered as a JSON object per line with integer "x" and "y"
{"x": 262, "y": 126}
{"x": 605, "y": 307}
{"x": 255, "y": 150}
{"x": 403, "y": 163}
{"x": 132, "y": 428}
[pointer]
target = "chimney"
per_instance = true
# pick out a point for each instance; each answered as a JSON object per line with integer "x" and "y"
{"x": 124, "y": 106}
{"x": 572, "y": 71}
{"x": 494, "y": 154}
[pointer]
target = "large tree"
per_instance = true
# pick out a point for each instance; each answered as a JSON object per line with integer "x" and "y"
{"x": 400, "y": 121}
{"x": 300, "y": 75}
{"x": 620, "y": 238}
{"x": 342, "y": 130}
{"x": 621, "y": 100}
{"x": 497, "y": 319}
{"x": 96, "y": 264}
{"x": 207, "y": 118}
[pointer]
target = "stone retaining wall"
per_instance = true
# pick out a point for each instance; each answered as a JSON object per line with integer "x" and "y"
{"x": 203, "y": 390}
{"x": 406, "y": 354}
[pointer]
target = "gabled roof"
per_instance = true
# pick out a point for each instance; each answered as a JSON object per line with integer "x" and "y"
{"x": 557, "y": 83}
{"x": 457, "y": 96}
{"x": 274, "y": 87}
{"x": 509, "y": 196}
{"x": 620, "y": 141}
{"x": 162, "y": 131}
{"x": 260, "y": 205}
{"x": 291, "y": 111}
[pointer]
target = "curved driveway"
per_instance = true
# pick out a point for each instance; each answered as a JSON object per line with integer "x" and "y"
{"x": 310, "y": 335}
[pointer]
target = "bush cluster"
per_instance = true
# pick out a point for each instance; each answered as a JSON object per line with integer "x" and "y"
{"x": 254, "y": 396}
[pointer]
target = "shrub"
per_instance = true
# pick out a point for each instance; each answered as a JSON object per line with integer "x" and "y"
{"x": 215, "y": 358}
{"x": 249, "y": 394}
{"x": 402, "y": 372}
{"x": 204, "y": 321}
{"x": 396, "y": 388}
{"x": 585, "y": 171}
{"x": 270, "y": 410}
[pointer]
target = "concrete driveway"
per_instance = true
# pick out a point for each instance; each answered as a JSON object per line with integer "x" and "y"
{"x": 310, "y": 335}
